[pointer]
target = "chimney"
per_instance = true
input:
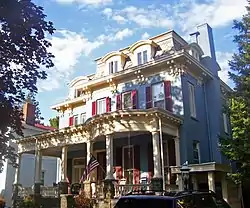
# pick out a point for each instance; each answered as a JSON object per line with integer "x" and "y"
{"x": 206, "y": 42}
{"x": 29, "y": 113}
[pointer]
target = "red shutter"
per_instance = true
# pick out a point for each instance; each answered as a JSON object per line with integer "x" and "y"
{"x": 134, "y": 99}
{"x": 168, "y": 97}
{"x": 118, "y": 163}
{"x": 71, "y": 119}
{"x": 108, "y": 104}
{"x": 148, "y": 97}
{"x": 94, "y": 108}
{"x": 150, "y": 161}
{"x": 118, "y": 102}
{"x": 137, "y": 164}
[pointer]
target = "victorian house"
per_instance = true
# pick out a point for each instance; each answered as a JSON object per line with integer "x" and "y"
{"x": 146, "y": 110}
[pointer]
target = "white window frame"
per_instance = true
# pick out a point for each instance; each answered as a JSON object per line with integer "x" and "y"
{"x": 74, "y": 167}
{"x": 75, "y": 118}
{"x": 113, "y": 67}
{"x": 152, "y": 96}
{"x": 124, "y": 93}
{"x": 97, "y": 106}
{"x": 197, "y": 143}
{"x": 83, "y": 115}
{"x": 192, "y": 103}
{"x": 123, "y": 159}
{"x": 143, "y": 60}
{"x": 225, "y": 122}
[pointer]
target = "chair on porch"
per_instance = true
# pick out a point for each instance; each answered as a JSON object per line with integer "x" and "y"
{"x": 120, "y": 188}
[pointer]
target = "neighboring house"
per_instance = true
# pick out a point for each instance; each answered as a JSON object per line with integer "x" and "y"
{"x": 157, "y": 94}
{"x": 27, "y": 167}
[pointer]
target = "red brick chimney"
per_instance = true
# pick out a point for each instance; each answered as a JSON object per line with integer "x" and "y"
{"x": 29, "y": 113}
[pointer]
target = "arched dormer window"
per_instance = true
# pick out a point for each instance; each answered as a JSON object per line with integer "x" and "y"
{"x": 195, "y": 50}
{"x": 142, "y": 51}
{"x": 114, "y": 62}
{"x": 76, "y": 86}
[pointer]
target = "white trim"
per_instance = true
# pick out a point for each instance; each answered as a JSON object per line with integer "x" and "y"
{"x": 124, "y": 93}
{"x": 103, "y": 100}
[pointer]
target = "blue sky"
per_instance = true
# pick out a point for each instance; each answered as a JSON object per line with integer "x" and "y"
{"x": 87, "y": 29}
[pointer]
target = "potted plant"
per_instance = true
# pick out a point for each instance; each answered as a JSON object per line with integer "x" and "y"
{"x": 81, "y": 201}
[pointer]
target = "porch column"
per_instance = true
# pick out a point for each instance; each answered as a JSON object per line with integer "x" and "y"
{"x": 17, "y": 172}
{"x": 224, "y": 187}
{"x": 38, "y": 166}
{"x": 108, "y": 183}
{"x": 109, "y": 157}
{"x": 16, "y": 180}
{"x": 63, "y": 185}
{"x": 87, "y": 183}
{"x": 177, "y": 151}
{"x": 157, "y": 180}
{"x": 211, "y": 181}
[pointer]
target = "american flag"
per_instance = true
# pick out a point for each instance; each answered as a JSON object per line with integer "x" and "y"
{"x": 92, "y": 164}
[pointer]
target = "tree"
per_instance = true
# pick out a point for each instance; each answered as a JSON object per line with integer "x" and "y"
{"x": 31, "y": 97}
{"x": 237, "y": 149}
{"x": 54, "y": 122}
{"x": 24, "y": 57}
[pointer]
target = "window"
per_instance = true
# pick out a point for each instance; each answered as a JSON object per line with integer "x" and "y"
{"x": 113, "y": 67}
{"x": 192, "y": 100}
{"x": 127, "y": 101}
{"x": 79, "y": 165}
{"x": 75, "y": 120}
{"x": 83, "y": 118}
{"x": 128, "y": 163}
{"x": 145, "y": 57}
{"x": 158, "y": 95}
{"x": 42, "y": 177}
{"x": 101, "y": 106}
{"x": 79, "y": 92}
{"x": 204, "y": 200}
{"x": 142, "y": 57}
{"x": 196, "y": 152}
{"x": 225, "y": 123}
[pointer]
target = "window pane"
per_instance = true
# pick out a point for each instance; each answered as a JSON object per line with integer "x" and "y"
{"x": 127, "y": 100}
{"x": 204, "y": 201}
{"x": 75, "y": 120}
{"x": 101, "y": 106}
{"x": 139, "y": 58}
{"x": 145, "y": 57}
{"x": 116, "y": 66}
{"x": 83, "y": 118}
{"x": 158, "y": 95}
{"x": 185, "y": 202}
{"x": 192, "y": 100}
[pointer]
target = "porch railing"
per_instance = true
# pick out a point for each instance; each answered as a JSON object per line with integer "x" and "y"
{"x": 46, "y": 191}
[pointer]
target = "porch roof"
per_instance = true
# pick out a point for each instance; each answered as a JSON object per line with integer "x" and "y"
{"x": 107, "y": 123}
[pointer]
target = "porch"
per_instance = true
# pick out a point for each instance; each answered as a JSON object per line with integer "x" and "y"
{"x": 129, "y": 146}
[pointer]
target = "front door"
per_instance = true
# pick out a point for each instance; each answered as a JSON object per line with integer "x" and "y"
{"x": 101, "y": 169}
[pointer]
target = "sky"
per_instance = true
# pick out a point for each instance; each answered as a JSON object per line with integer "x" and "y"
{"x": 88, "y": 29}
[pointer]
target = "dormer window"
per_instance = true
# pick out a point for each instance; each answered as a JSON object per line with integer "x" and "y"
{"x": 113, "y": 67}
{"x": 142, "y": 57}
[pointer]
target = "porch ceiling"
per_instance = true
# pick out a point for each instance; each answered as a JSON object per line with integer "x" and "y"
{"x": 118, "y": 123}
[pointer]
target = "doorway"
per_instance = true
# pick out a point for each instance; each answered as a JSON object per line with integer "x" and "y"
{"x": 101, "y": 169}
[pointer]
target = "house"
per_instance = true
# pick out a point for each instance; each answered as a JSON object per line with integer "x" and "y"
{"x": 149, "y": 108}
{"x": 27, "y": 165}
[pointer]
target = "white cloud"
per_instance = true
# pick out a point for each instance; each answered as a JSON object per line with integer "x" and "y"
{"x": 186, "y": 14}
{"x": 222, "y": 59}
{"x": 145, "y": 36}
{"x": 120, "y": 19}
{"x": 108, "y": 12}
{"x": 86, "y": 2}
{"x": 67, "y": 49}
{"x": 120, "y": 35}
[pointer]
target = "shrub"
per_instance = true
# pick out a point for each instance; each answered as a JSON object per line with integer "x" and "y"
{"x": 2, "y": 202}
{"x": 81, "y": 201}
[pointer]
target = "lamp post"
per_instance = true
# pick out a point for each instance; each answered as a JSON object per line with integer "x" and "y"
{"x": 185, "y": 175}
